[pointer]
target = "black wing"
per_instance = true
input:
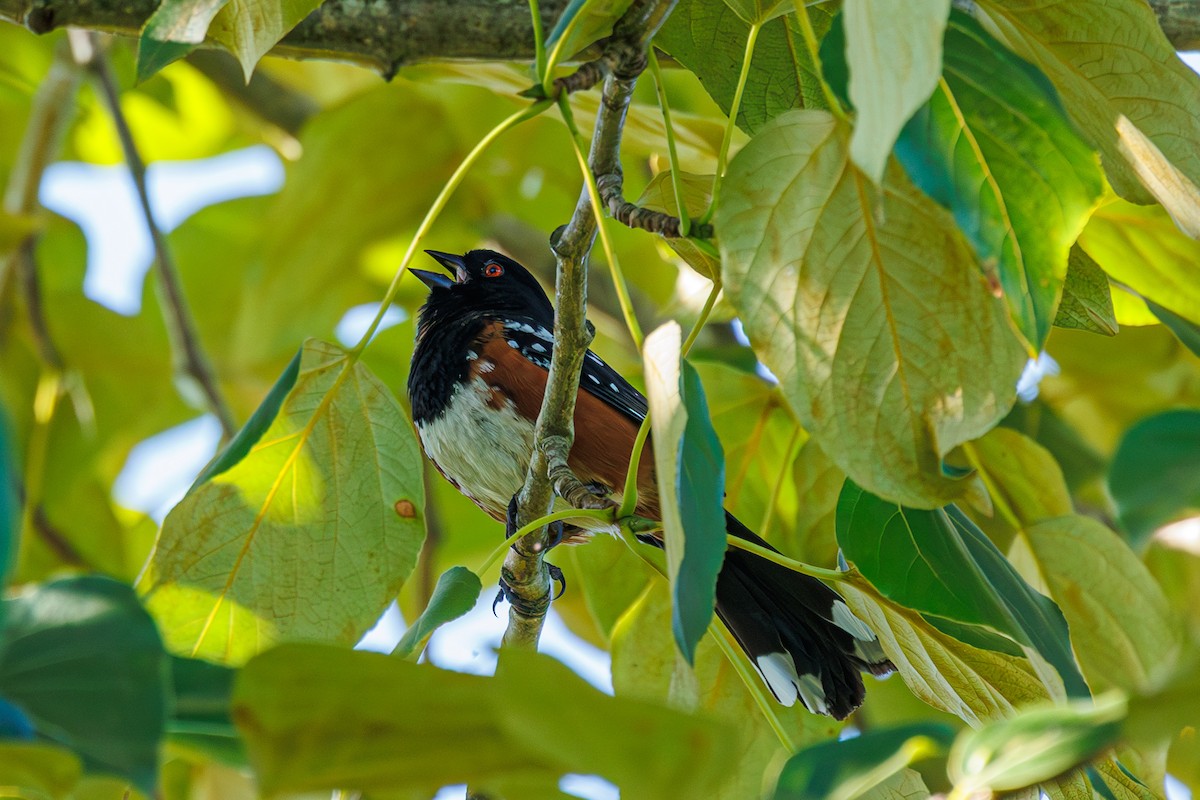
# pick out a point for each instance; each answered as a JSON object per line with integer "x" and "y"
{"x": 598, "y": 379}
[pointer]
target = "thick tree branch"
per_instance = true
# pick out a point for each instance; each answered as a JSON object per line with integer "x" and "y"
{"x": 381, "y": 35}
{"x": 191, "y": 360}
{"x": 548, "y": 472}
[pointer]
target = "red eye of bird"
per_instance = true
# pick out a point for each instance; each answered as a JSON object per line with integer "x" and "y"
{"x": 493, "y": 270}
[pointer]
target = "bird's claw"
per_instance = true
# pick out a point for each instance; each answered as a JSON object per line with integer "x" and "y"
{"x": 506, "y": 593}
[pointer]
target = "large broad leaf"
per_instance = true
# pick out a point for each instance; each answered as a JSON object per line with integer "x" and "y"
{"x": 308, "y": 534}
{"x": 838, "y": 290}
{"x": 690, "y": 469}
{"x": 894, "y": 51}
{"x": 1108, "y": 59}
{"x": 994, "y": 145}
{"x": 249, "y": 28}
{"x": 1087, "y": 302}
{"x": 851, "y": 768}
{"x": 974, "y": 684}
{"x": 173, "y": 30}
{"x": 83, "y": 659}
{"x": 319, "y": 718}
{"x": 1121, "y": 624}
{"x": 8, "y": 505}
{"x": 1142, "y": 248}
{"x": 1155, "y": 474}
{"x": 937, "y": 562}
{"x": 644, "y": 664}
{"x": 709, "y": 38}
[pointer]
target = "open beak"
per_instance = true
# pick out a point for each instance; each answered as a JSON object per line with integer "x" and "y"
{"x": 452, "y": 263}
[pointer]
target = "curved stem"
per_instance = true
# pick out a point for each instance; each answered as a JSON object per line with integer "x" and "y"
{"x": 723, "y": 153}
{"x": 773, "y": 501}
{"x": 685, "y": 223}
{"x": 814, "y": 53}
{"x": 603, "y": 514}
{"x": 539, "y": 44}
{"x": 619, "y": 283}
{"x": 435, "y": 210}
{"x": 830, "y": 575}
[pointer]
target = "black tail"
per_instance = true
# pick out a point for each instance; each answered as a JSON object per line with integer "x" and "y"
{"x": 798, "y": 633}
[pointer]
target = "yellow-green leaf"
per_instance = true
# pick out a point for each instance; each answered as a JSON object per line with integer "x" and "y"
{"x": 975, "y": 685}
{"x": 894, "y": 51}
{"x": 1109, "y": 58}
{"x": 249, "y": 28}
{"x": 1141, "y": 247}
{"x": 309, "y": 536}
{"x": 38, "y": 770}
{"x": 839, "y": 289}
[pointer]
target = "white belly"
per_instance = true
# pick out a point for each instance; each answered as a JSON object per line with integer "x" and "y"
{"x": 491, "y": 468}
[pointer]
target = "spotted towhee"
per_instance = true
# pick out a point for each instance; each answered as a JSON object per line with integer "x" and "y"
{"x": 478, "y": 375}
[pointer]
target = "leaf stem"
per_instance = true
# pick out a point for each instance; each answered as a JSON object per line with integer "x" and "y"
{"x": 727, "y": 139}
{"x": 685, "y": 223}
{"x": 435, "y": 210}
{"x": 539, "y": 44}
{"x": 603, "y": 514}
{"x": 830, "y": 575}
{"x": 814, "y": 53}
{"x": 773, "y": 501}
{"x": 619, "y": 283}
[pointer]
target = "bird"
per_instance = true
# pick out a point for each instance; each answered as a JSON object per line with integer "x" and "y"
{"x": 479, "y": 369}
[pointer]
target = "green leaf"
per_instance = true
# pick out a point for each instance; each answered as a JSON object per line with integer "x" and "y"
{"x": 330, "y": 495}
{"x": 838, "y": 305}
{"x": 709, "y": 39}
{"x": 1170, "y": 187}
{"x": 200, "y": 722}
{"x": 243, "y": 442}
{"x": 1140, "y": 247}
{"x": 659, "y": 195}
{"x": 582, "y": 23}
{"x": 1155, "y": 474}
{"x": 1034, "y": 746}
{"x": 83, "y": 659}
{"x": 994, "y": 145}
{"x": 937, "y": 562}
{"x": 752, "y": 11}
{"x": 973, "y": 684}
{"x": 1170, "y": 706}
{"x": 1121, "y": 624}
{"x": 690, "y": 468}
{"x": 249, "y": 28}
{"x": 455, "y": 594}
{"x": 1087, "y": 303}
{"x": 1185, "y": 331}
{"x": 850, "y": 768}
{"x": 644, "y": 660}
{"x": 894, "y": 53}
{"x": 173, "y": 30}
{"x": 1079, "y": 44}
{"x": 37, "y": 770}
{"x": 319, "y": 717}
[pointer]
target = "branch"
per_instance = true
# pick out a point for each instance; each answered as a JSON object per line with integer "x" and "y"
{"x": 548, "y": 472}
{"x": 185, "y": 341}
{"x": 387, "y": 35}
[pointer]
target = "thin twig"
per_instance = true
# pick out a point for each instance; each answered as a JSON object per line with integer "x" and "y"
{"x": 523, "y": 568}
{"x": 189, "y": 356}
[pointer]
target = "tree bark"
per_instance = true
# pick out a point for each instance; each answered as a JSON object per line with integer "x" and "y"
{"x": 387, "y": 35}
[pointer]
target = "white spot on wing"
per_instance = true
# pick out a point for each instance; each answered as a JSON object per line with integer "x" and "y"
{"x": 844, "y": 618}
{"x": 538, "y": 347}
{"x": 472, "y": 355}
{"x": 594, "y": 379}
{"x": 513, "y": 343}
{"x": 779, "y": 671}
{"x": 614, "y": 387}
